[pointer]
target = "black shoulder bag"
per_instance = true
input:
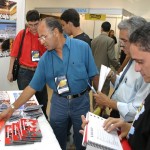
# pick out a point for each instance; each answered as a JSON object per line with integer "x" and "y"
{"x": 16, "y": 65}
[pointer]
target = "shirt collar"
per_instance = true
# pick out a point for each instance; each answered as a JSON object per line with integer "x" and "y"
{"x": 104, "y": 33}
{"x": 28, "y": 32}
{"x": 68, "y": 41}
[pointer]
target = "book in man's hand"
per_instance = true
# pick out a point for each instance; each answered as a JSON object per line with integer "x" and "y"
{"x": 96, "y": 138}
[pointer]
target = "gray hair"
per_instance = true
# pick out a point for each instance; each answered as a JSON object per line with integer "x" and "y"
{"x": 53, "y": 23}
{"x": 131, "y": 24}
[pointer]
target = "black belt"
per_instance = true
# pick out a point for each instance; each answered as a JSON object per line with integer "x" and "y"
{"x": 73, "y": 96}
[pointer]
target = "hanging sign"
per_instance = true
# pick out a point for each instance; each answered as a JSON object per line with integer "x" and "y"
{"x": 95, "y": 17}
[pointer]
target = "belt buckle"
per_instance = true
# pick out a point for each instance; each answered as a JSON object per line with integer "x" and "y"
{"x": 69, "y": 96}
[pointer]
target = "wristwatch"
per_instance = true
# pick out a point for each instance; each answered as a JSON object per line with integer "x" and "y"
{"x": 12, "y": 106}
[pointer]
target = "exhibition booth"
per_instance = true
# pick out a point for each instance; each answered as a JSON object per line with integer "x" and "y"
{"x": 91, "y": 26}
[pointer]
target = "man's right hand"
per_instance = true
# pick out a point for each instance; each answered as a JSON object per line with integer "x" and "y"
{"x": 10, "y": 77}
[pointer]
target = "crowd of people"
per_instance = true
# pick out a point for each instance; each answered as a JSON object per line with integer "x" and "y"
{"x": 67, "y": 65}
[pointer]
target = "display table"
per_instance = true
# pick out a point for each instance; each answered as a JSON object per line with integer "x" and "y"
{"x": 48, "y": 140}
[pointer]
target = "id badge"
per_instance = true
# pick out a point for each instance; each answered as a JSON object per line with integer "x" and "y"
{"x": 35, "y": 55}
{"x": 62, "y": 84}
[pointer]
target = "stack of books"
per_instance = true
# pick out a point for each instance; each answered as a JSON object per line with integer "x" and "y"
{"x": 30, "y": 109}
{"x": 25, "y": 131}
{"x": 33, "y": 111}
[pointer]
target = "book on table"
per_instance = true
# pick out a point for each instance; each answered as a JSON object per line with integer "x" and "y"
{"x": 24, "y": 131}
{"x": 30, "y": 130}
{"x": 96, "y": 138}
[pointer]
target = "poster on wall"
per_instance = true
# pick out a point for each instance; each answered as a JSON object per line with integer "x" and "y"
{"x": 8, "y": 10}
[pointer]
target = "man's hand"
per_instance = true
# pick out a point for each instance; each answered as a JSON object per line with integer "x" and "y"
{"x": 10, "y": 77}
{"x": 84, "y": 123}
{"x": 101, "y": 99}
{"x": 6, "y": 114}
{"x": 104, "y": 101}
{"x": 116, "y": 123}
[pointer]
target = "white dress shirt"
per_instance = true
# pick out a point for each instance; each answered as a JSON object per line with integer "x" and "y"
{"x": 130, "y": 93}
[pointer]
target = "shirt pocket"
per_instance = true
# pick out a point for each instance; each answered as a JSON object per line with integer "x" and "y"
{"x": 126, "y": 92}
{"x": 78, "y": 71}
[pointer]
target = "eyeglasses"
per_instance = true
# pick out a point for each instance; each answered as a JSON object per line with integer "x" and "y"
{"x": 43, "y": 37}
{"x": 123, "y": 42}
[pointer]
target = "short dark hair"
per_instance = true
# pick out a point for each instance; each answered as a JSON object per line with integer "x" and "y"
{"x": 141, "y": 37}
{"x": 71, "y": 15}
{"x": 53, "y": 23}
{"x": 32, "y": 15}
{"x": 106, "y": 26}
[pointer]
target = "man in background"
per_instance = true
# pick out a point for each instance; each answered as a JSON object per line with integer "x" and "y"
{"x": 70, "y": 21}
{"x": 31, "y": 52}
{"x": 104, "y": 51}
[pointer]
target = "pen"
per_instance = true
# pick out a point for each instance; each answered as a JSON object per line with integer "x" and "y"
{"x": 92, "y": 88}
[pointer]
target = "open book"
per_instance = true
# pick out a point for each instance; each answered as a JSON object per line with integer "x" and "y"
{"x": 104, "y": 71}
{"x": 96, "y": 138}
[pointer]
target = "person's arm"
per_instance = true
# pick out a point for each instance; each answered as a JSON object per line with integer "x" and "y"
{"x": 14, "y": 54}
{"x": 103, "y": 100}
{"x": 11, "y": 64}
{"x": 96, "y": 81}
{"x": 23, "y": 98}
{"x": 111, "y": 55}
{"x": 116, "y": 123}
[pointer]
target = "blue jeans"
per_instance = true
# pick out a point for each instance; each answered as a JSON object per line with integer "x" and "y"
{"x": 23, "y": 80}
{"x": 62, "y": 110}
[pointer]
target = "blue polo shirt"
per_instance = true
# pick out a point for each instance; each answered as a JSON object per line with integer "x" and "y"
{"x": 77, "y": 64}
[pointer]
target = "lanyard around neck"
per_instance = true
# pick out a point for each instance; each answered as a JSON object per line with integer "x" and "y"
{"x": 53, "y": 64}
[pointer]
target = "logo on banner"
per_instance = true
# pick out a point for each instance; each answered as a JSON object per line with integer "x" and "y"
{"x": 95, "y": 17}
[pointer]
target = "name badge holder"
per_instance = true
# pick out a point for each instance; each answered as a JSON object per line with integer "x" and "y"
{"x": 62, "y": 84}
{"x": 35, "y": 55}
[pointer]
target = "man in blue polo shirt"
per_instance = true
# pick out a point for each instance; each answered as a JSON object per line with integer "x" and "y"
{"x": 66, "y": 67}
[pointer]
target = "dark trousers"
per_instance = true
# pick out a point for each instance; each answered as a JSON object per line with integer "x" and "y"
{"x": 62, "y": 111}
{"x": 23, "y": 80}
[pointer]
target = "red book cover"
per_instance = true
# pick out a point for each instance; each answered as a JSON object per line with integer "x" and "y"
{"x": 30, "y": 129}
{"x": 2, "y": 123}
{"x": 8, "y": 135}
{"x": 125, "y": 144}
{"x": 16, "y": 135}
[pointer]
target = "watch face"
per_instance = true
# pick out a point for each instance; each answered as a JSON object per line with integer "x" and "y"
{"x": 12, "y": 106}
